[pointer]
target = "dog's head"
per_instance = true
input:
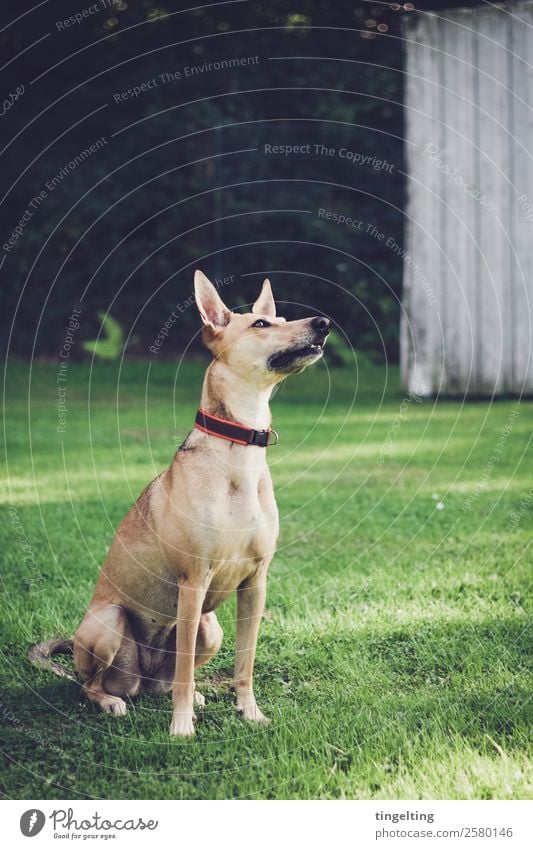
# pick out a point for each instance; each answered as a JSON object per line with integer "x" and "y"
{"x": 258, "y": 345}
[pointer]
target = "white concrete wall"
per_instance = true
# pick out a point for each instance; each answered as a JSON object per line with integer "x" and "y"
{"x": 467, "y": 323}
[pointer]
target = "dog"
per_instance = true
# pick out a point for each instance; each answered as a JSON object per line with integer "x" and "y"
{"x": 204, "y": 528}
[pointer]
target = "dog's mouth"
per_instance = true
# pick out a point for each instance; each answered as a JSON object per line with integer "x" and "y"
{"x": 295, "y": 359}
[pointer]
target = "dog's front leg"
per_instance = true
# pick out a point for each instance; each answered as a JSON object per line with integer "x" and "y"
{"x": 250, "y": 605}
{"x": 190, "y": 601}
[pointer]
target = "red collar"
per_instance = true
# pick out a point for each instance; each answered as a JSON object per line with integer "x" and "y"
{"x": 234, "y": 432}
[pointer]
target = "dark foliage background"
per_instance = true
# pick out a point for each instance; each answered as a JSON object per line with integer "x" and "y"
{"x": 183, "y": 180}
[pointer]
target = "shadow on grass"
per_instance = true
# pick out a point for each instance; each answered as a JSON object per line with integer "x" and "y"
{"x": 372, "y": 695}
{"x": 478, "y": 672}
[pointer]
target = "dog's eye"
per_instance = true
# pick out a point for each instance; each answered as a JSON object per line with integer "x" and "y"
{"x": 261, "y": 323}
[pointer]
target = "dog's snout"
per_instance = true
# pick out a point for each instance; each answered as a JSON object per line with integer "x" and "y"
{"x": 320, "y": 324}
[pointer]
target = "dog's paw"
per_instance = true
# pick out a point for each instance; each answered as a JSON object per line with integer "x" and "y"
{"x": 251, "y": 713}
{"x": 114, "y": 705}
{"x": 199, "y": 699}
{"x": 182, "y": 725}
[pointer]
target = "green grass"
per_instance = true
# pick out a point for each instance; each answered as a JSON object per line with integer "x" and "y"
{"x": 393, "y": 659}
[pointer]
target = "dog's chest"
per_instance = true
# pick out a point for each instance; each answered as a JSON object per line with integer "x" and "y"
{"x": 237, "y": 519}
{"x": 234, "y": 503}
{"x": 220, "y": 516}
{"x": 238, "y": 528}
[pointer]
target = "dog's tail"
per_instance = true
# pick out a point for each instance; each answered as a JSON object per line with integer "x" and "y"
{"x": 41, "y": 655}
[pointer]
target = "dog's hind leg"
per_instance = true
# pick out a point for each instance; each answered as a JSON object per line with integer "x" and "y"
{"x": 106, "y": 656}
{"x": 208, "y": 639}
{"x": 208, "y": 642}
{"x": 159, "y": 676}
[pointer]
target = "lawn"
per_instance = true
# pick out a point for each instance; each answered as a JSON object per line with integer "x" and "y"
{"x": 394, "y": 658}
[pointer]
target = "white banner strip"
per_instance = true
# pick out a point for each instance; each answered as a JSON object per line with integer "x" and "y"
{"x": 278, "y": 824}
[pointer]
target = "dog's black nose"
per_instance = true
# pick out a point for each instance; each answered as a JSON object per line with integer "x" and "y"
{"x": 321, "y": 324}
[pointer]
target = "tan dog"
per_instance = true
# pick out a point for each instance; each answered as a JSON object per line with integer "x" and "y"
{"x": 204, "y": 528}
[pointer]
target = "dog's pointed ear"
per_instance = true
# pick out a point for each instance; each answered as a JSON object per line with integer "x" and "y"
{"x": 213, "y": 311}
{"x": 265, "y": 303}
